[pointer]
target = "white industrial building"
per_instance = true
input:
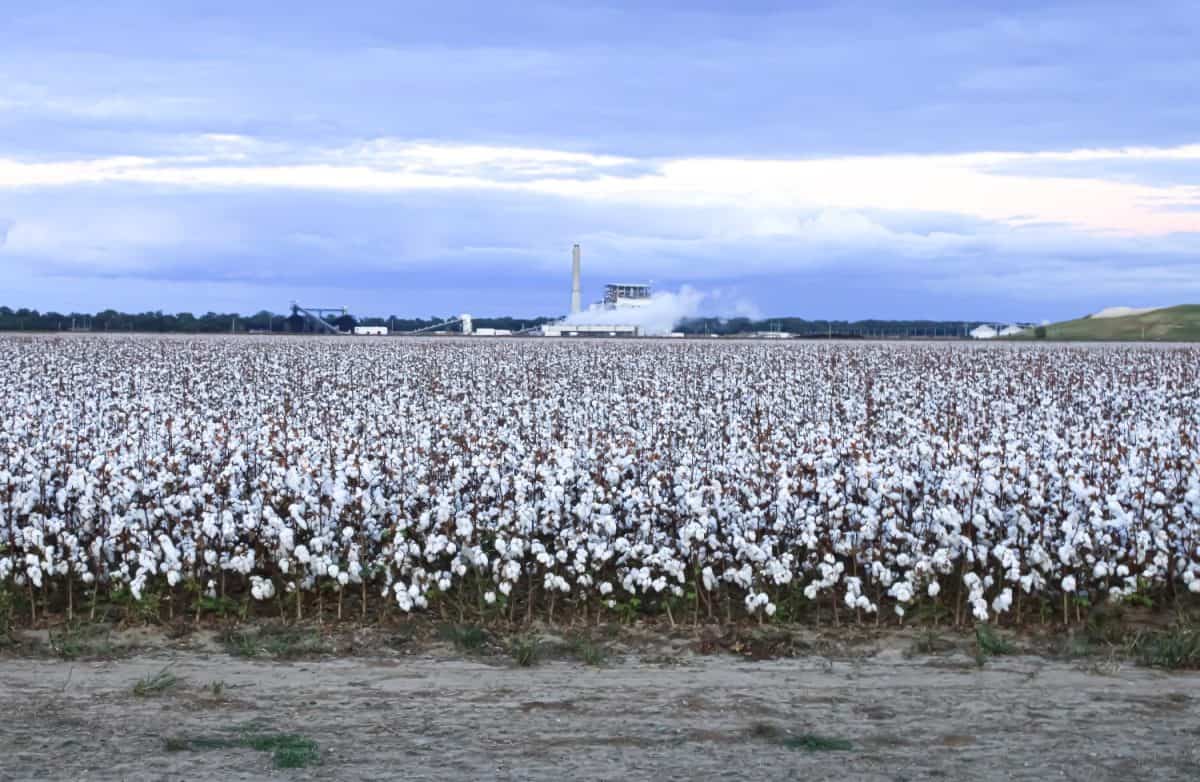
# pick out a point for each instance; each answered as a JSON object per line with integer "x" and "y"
{"x": 626, "y": 294}
{"x": 588, "y": 330}
{"x": 370, "y": 331}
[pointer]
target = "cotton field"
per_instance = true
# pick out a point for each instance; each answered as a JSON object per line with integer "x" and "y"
{"x": 815, "y": 482}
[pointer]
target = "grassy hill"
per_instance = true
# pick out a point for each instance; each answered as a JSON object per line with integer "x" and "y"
{"x": 1171, "y": 324}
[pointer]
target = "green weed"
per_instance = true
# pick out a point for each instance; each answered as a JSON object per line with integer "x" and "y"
{"x": 988, "y": 644}
{"x": 466, "y": 637}
{"x": 526, "y": 651}
{"x": 288, "y": 750}
{"x": 1176, "y": 648}
{"x": 590, "y": 652}
{"x": 157, "y": 684}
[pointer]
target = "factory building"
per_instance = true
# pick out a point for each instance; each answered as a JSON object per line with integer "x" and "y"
{"x": 588, "y": 330}
{"x": 624, "y": 294}
{"x": 618, "y": 298}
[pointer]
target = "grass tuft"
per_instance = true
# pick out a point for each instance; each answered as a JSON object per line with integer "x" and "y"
{"x": 159, "y": 683}
{"x": 288, "y": 750}
{"x": 811, "y": 742}
{"x": 466, "y": 637}
{"x": 526, "y": 650}
{"x": 1177, "y": 648}
{"x": 590, "y": 652}
{"x": 283, "y": 642}
{"x": 807, "y": 742}
{"x": 988, "y": 644}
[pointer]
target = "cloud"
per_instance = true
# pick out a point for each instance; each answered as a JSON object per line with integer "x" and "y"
{"x": 967, "y": 185}
{"x": 664, "y": 311}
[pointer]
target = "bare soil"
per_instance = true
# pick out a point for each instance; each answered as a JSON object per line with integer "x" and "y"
{"x": 659, "y": 709}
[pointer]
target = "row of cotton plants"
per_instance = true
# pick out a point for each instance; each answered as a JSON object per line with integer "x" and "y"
{"x": 527, "y": 477}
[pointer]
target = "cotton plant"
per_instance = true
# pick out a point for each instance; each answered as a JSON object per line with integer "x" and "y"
{"x": 744, "y": 478}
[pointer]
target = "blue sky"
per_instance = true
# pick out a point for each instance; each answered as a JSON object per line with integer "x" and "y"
{"x": 942, "y": 159}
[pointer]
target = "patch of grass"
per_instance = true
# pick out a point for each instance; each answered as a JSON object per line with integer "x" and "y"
{"x": 1176, "y": 324}
{"x": 929, "y": 642}
{"x": 589, "y": 652}
{"x": 282, "y": 642}
{"x": 6, "y": 612}
{"x": 288, "y": 750}
{"x": 77, "y": 639}
{"x": 526, "y": 650}
{"x": 176, "y": 744}
{"x": 807, "y": 742}
{"x": 157, "y": 684}
{"x": 811, "y": 742}
{"x": 466, "y": 637}
{"x": 1177, "y": 648}
{"x": 1075, "y": 647}
{"x": 1106, "y": 626}
{"x": 239, "y": 644}
{"x": 988, "y": 644}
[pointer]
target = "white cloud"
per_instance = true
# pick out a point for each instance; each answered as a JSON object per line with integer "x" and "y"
{"x": 660, "y": 315}
{"x": 762, "y": 191}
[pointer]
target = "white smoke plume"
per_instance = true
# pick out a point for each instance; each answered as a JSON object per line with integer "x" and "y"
{"x": 664, "y": 312}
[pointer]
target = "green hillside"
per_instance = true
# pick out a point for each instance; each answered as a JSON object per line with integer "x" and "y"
{"x": 1171, "y": 324}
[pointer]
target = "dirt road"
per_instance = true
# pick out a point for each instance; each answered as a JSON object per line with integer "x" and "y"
{"x": 437, "y": 715}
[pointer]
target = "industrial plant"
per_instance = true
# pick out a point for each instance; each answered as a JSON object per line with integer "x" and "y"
{"x": 602, "y": 319}
{"x": 608, "y": 317}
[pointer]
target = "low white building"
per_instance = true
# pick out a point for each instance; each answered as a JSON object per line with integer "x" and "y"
{"x": 983, "y": 332}
{"x": 370, "y": 331}
{"x": 493, "y": 332}
{"x": 588, "y": 330}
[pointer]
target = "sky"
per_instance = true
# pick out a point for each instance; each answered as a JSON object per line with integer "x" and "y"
{"x": 1003, "y": 161}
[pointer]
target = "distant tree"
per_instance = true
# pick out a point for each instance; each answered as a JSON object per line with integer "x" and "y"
{"x": 1040, "y": 332}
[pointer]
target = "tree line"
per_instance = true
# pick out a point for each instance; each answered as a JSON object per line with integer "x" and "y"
{"x": 262, "y": 322}
{"x": 266, "y": 322}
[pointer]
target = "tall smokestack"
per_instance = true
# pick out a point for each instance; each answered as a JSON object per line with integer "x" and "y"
{"x": 575, "y": 293}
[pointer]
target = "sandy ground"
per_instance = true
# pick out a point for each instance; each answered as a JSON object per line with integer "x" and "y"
{"x": 439, "y": 715}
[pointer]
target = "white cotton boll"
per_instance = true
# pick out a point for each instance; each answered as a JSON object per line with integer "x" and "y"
{"x": 302, "y": 554}
{"x": 505, "y": 588}
{"x": 1100, "y": 570}
{"x": 769, "y": 609}
{"x": 934, "y": 589}
{"x": 1068, "y": 584}
{"x": 606, "y": 588}
{"x": 489, "y": 597}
